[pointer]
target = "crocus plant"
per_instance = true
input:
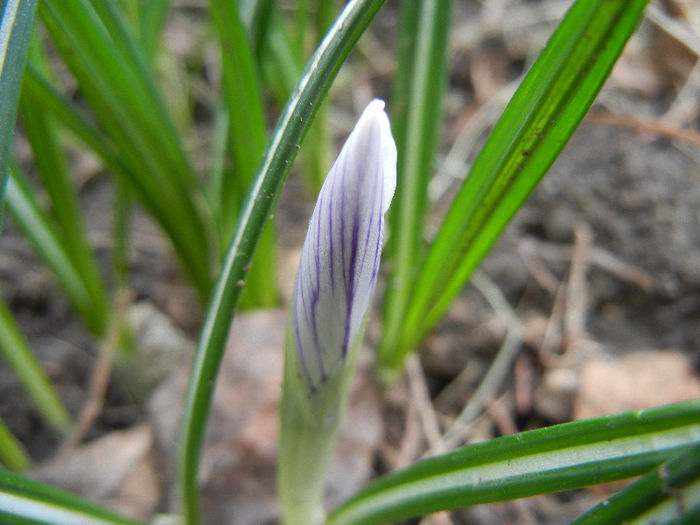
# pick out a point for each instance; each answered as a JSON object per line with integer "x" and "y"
{"x": 335, "y": 282}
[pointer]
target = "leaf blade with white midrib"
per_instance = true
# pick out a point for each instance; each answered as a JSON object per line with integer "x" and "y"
{"x": 552, "y": 459}
{"x": 16, "y": 22}
{"x": 23, "y": 500}
{"x": 533, "y": 129}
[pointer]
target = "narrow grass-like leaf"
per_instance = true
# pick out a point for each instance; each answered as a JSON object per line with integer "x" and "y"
{"x": 552, "y": 459}
{"x": 426, "y": 61}
{"x": 117, "y": 84}
{"x": 317, "y": 157}
{"x": 12, "y": 453}
{"x": 15, "y": 32}
{"x": 312, "y": 19}
{"x": 152, "y": 18}
{"x": 20, "y": 358}
{"x": 37, "y": 227}
{"x": 147, "y": 20}
{"x": 24, "y": 501}
{"x": 670, "y": 492}
{"x": 532, "y": 131}
{"x": 141, "y": 83}
{"x": 247, "y": 142}
{"x": 289, "y": 132}
{"x": 51, "y": 161}
{"x": 44, "y": 95}
{"x": 123, "y": 204}
{"x": 216, "y": 168}
{"x": 301, "y": 22}
{"x": 257, "y": 16}
{"x": 131, "y": 88}
{"x": 244, "y": 102}
{"x": 409, "y": 18}
{"x": 282, "y": 68}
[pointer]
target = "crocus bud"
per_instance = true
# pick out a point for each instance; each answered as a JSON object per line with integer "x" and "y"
{"x": 340, "y": 258}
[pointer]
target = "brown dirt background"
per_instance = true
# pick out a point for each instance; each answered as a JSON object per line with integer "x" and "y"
{"x": 599, "y": 274}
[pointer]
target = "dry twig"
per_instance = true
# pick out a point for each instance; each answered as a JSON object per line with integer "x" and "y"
{"x": 576, "y": 289}
{"x": 499, "y": 368}
{"x": 644, "y": 125}
{"x": 421, "y": 399}
{"x": 411, "y": 440}
{"x": 100, "y": 375}
{"x": 530, "y": 248}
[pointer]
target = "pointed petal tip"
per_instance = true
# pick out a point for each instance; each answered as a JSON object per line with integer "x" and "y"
{"x": 374, "y": 114}
{"x": 376, "y": 105}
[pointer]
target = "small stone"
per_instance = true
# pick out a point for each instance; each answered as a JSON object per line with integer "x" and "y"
{"x": 636, "y": 381}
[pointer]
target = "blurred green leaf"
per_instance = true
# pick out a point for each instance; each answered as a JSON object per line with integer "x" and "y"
{"x": 668, "y": 494}
{"x": 15, "y": 32}
{"x": 118, "y": 85}
{"x": 24, "y": 501}
{"x": 257, "y": 16}
{"x": 12, "y": 453}
{"x": 44, "y": 95}
{"x": 19, "y": 356}
{"x": 281, "y": 70}
{"x": 419, "y": 90}
{"x": 532, "y": 131}
{"x": 51, "y": 161}
{"x": 152, "y": 18}
{"x": 147, "y": 20}
{"x": 552, "y": 459}
{"x": 38, "y": 228}
{"x": 247, "y": 142}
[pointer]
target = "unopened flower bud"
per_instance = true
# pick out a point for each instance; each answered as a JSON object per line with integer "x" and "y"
{"x": 341, "y": 253}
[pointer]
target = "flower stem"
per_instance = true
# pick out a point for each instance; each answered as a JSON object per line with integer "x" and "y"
{"x": 308, "y": 429}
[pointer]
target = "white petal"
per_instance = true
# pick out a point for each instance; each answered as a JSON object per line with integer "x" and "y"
{"x": 341, "y": 253}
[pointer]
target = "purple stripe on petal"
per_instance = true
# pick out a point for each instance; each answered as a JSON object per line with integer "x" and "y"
{"x": 300, "y": 348}
{"x": 350, "y": 283}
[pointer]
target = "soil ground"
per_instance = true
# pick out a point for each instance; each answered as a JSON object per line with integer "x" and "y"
{"x": 599, "y": 272}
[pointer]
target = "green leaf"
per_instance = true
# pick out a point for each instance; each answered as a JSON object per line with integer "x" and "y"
{"x": 15, "y": 32}
{"x": 667, "y": 494}
{"x": 247, "y": 142}
{"x": 152, "y": 18}
{"x": 38, "y": 228}
{"x": 12, "y": 453}
{"x": 257, "y": 16}
{"x": 552, "y": 459}
{"x": 532, "y": 131}
{"x": 45, "y": 96}
{"x": 147, "y": 20}
{"x": 23, "y": 501}
{"x": 289, "y": 132}
{"x": 119, "y": 87}
{"x": 419, "y": 89}
{"x": 51, "y": 161}
{"x": 282, "y": 68}
{"x": 317, "y": 155}
{"x": 17, "y": 353}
